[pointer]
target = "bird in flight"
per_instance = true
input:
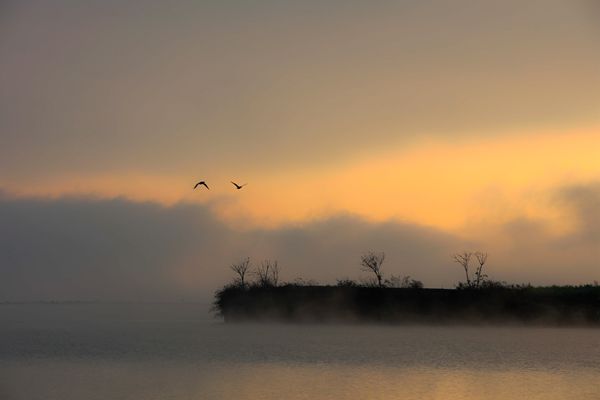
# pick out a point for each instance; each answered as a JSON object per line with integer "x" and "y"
{"x": 238, "y": 187}
{"x": 201, "y": 183}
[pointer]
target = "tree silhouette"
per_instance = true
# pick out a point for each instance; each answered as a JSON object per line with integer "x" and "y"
{"x": 480, "y": 276}
{"x": 267, "y": 273}
{"x": 464, "y": 260}
{"x": 241, "y": 269}
{"x": 371, "y": 262}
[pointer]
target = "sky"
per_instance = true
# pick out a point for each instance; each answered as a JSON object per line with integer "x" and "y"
{"x": 417, "y": 128}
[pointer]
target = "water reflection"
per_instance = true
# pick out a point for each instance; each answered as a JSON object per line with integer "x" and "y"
{"x": 169, "y": 352}
{"x": 91, "y": 380}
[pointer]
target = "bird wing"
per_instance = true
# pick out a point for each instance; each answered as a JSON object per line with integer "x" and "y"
{"x": 196, "y": 185}
{"x": 204, "y": 183}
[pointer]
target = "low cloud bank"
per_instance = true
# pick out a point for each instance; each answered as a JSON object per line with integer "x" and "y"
{"x": 95, "y": 249}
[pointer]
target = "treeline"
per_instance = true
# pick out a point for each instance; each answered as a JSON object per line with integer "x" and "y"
{"x": 257, "y": 294}
{"x": 266, "y": 274}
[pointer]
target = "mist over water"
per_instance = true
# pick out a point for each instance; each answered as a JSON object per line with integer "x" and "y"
{"x": 178, "y": 351}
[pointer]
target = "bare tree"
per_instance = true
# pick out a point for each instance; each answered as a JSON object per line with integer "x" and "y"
{"x": 480, "y": 276}
{"x": 267, "y": 273}
{"x": 241, "y": 269}
{"x": 371, "y": 262}
{"x": 463, "y": 259}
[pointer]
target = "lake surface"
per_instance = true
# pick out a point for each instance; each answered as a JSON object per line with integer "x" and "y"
{"x": 178, "y": 351}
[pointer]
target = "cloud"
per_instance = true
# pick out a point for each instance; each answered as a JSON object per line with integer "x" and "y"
{"x": 529, "y": 250}
{"x": 584, "y": 202}
{"x": 82, "y": 248}
{"x": 116, "y": 249}
{"x": 88, "y": 249}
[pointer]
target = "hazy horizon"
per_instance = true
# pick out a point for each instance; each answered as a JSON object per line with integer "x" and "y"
{"x": 148, "y": 148}
{"x": 419, "y": 129}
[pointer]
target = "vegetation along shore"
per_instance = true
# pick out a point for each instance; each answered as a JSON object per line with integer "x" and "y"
{"x": 256, "y": 294}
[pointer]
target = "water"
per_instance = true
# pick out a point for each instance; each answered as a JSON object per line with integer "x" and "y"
{"x": 177, "y": 351}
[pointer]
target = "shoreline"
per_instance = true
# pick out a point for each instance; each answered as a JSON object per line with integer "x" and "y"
{"x": 532, "y": 306}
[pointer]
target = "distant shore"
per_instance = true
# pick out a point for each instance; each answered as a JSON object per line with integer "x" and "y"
{"x": 554, "y": 306}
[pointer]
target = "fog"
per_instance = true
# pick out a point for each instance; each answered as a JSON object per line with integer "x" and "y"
{"x": 115, "y": 249}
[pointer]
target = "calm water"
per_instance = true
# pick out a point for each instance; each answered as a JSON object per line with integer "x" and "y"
{"x": 178, "y": 352}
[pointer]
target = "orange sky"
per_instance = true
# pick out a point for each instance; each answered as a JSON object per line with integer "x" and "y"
{"x": 426, "y": 113}
{"x": 439, "y": 125}
{"x": 432, "y": 182}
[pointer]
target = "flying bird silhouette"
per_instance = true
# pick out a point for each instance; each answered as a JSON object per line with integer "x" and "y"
{"x": 238, "y": 187}
{"x": 201, "y": 183}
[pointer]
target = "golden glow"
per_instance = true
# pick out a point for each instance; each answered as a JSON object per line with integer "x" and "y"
{"x": 436, "y": 183}
{"x": 373, "y": 382}
{"x": 439, "y": 184}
